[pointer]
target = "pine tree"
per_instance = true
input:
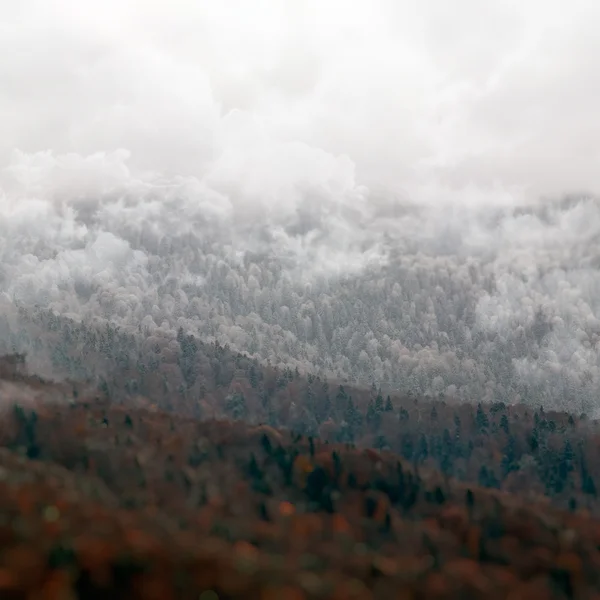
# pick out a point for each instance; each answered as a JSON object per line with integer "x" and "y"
{"x": 483, "y": 478}
{"x": 253, "y": 377}
{"x": 447, "y": 443}
{"x": 508, "y": 460}
{"x": 381, "y": 442}
{"x": 388, "y": 405}
{"x": 589, "y": 486}
{"x": 235, "y": 405}
{"x": 407, "y": 447}
{"x": 345, "y": 434}
{"x": 341, "y": 400}
{"x": 372, "y": 415}
{"x": 482, "y": 418}
{"x": 322, "y": 409}
{"x": 352, "y": 415}
{"x": 568, "y": 453}
{"x": 423, "y": 451}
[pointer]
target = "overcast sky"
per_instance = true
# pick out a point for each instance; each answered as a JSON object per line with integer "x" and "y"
{"x": 435, "y": 98}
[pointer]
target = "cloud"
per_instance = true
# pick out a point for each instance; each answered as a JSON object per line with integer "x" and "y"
{"x": 463, "y": 95}
{"x": 148, "y": 146}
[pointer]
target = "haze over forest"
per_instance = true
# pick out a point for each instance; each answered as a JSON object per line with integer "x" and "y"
{"x": 364, "y": 190}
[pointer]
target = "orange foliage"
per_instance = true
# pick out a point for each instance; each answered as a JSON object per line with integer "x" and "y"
{"x": 142, "y": 503}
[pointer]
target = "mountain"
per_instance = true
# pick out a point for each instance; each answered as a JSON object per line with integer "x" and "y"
{"x": 124, "y": 499}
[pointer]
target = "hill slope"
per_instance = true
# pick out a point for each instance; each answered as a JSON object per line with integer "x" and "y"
{"x": 115, "y": 501}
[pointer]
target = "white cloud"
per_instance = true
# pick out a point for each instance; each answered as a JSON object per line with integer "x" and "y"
{"x": 462, "y": 93}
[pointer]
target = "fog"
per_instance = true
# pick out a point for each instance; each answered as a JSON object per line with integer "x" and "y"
{"x": 428, "y": 176}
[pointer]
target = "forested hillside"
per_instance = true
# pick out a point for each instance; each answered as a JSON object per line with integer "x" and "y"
{"x": 126, "y": 501}
{"x": 511, "y": 447}
{"x": 299, "y": 300}
{"x": 495, "y": 303}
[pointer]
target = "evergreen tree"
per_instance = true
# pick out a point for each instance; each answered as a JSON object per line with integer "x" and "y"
{"x": 407, "y": 447}
{"x": 568, "y": 453}
{"x": 323, "y": 409}
{"x": 423, "y": 450}
{"x": 447, "y": 453}
{"x": 373, "y": 417}
{"x": 345, "y": 434}
{"x": 565, "y": 463}
{"x": 352, "y": 415}
{"x": 509, "y": 459}
{"x": 381, "y": 442}
{"x": 589, "y": 486}
{"x": 482, "y": 419}
{"x": 534, "y": 440}
{"x": 235, "y": 405}
{"x": 470, "y": 500}
{"x": 483, "y": 478}
{"x": 447, "y": 443}
{"x": 253, "y": 376}
{"x": 341, "y": 400}
{"x": 388, "y": 405}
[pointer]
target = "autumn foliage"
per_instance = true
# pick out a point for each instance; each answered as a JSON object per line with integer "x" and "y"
{"x": 99, "y": 500}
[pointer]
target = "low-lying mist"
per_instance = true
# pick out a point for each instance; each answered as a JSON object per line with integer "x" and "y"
{"x": 319, "y": 186}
